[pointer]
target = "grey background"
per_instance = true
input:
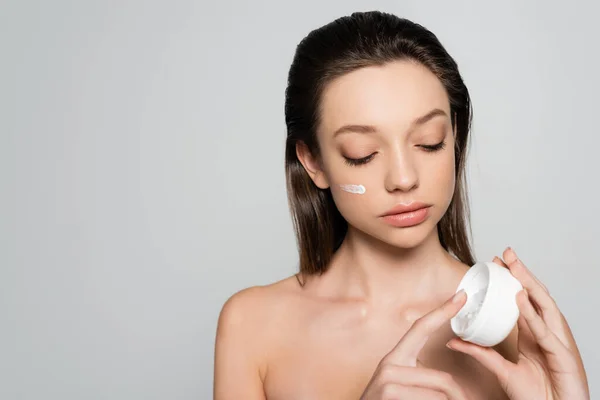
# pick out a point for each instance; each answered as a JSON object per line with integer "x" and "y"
{"x": 141, "y": 172}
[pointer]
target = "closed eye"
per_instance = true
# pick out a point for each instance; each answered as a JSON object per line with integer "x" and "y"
{"x": 433, "y": 147}
{"x": 358, "y": 161}
{"x": 362, "y": 161}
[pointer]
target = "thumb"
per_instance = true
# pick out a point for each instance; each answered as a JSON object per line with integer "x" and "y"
{"x": 487, "y": 356}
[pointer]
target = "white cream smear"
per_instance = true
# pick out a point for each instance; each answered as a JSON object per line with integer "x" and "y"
{"x": 475, "y": 305}
{"x": 358, "y": 189}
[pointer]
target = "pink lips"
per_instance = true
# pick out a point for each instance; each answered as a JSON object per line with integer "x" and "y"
{"x": 406, "y": 215}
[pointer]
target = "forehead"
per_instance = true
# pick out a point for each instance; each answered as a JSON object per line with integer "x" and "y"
{"x": 389, "y": 96}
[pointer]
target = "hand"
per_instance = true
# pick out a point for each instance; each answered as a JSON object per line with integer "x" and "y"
{"x": 400, "y": 376}
{"x": 549, "y": 365}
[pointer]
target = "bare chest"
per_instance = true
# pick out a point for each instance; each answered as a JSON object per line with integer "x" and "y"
{"x": 336, "y": 362}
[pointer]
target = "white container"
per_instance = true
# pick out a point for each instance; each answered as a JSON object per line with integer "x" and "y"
{"x": 491, "y": 310}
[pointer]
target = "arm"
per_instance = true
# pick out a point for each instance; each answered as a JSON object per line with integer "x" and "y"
{"x": 237, "y": 365}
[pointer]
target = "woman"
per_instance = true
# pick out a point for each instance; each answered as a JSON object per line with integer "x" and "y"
{"x": 378, "y": 120}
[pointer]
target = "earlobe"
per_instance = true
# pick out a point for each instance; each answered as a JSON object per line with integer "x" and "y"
{"x": 311, "y": 165}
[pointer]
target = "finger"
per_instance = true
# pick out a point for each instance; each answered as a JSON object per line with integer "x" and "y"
{"x": 487, "y": 356}
{"x": 541, "y": 300}
{"x": 526, "y": 342}
{"x": 510, "y": 257}
{"x": 425, "y": 378}
{"x": 543, "y": 335}
{"x": 535, "y": 288}
{"x": 537, "y": 291}
{"x": 408, "y": 348}
{"x": 498, "y": 261}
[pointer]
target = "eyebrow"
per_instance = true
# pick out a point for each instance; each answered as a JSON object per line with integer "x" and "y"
{"x": 436, "y": 112}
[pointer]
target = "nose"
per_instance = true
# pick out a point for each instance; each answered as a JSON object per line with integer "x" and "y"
{"x": 401, "y": 173}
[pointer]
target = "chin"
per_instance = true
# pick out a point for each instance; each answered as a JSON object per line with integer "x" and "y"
{"x": 404, "y": 238}
{"x": 408, "y": 238}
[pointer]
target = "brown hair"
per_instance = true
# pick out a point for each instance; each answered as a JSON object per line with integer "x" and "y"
{"x": 346, "y": 44}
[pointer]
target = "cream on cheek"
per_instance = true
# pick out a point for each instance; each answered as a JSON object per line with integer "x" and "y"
{"x": 350, "y": 188}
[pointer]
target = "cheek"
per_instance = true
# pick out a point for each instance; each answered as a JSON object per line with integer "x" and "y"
{"x": 443, "y": 178}
{"x": 353, "y": 206}
{"x": 351, "y": 193}
{"x": 337, "y": 174}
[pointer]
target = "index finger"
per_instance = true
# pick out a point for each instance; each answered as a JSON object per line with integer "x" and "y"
{"x": 408, "y": 348}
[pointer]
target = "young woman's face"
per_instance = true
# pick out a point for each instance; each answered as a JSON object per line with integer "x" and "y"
{"x": 398, "y": 144}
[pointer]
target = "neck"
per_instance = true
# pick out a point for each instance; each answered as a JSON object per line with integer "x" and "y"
{"x": 368, "y": 269}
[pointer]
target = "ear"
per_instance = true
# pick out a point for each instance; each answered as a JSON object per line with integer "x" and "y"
{"x": 311, "y": 165}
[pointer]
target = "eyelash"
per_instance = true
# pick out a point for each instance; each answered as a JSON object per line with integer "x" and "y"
{"x": 435, "y": 147}
{"x": 361, "y": 161}
{"x": 358, "y": 161}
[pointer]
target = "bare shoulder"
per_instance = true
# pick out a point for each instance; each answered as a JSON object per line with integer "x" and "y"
{"x": 250, "y": 318}
{"x": 255, "y": 305}
{"x": 245, "y": 332}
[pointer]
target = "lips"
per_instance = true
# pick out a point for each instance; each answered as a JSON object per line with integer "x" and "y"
{"x": 406, "y": 208}
{"x": 407, "y": 215}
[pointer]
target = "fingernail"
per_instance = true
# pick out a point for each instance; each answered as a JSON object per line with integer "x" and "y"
{"x": 458, "y": 296}
{"x": 448, "y": 345}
